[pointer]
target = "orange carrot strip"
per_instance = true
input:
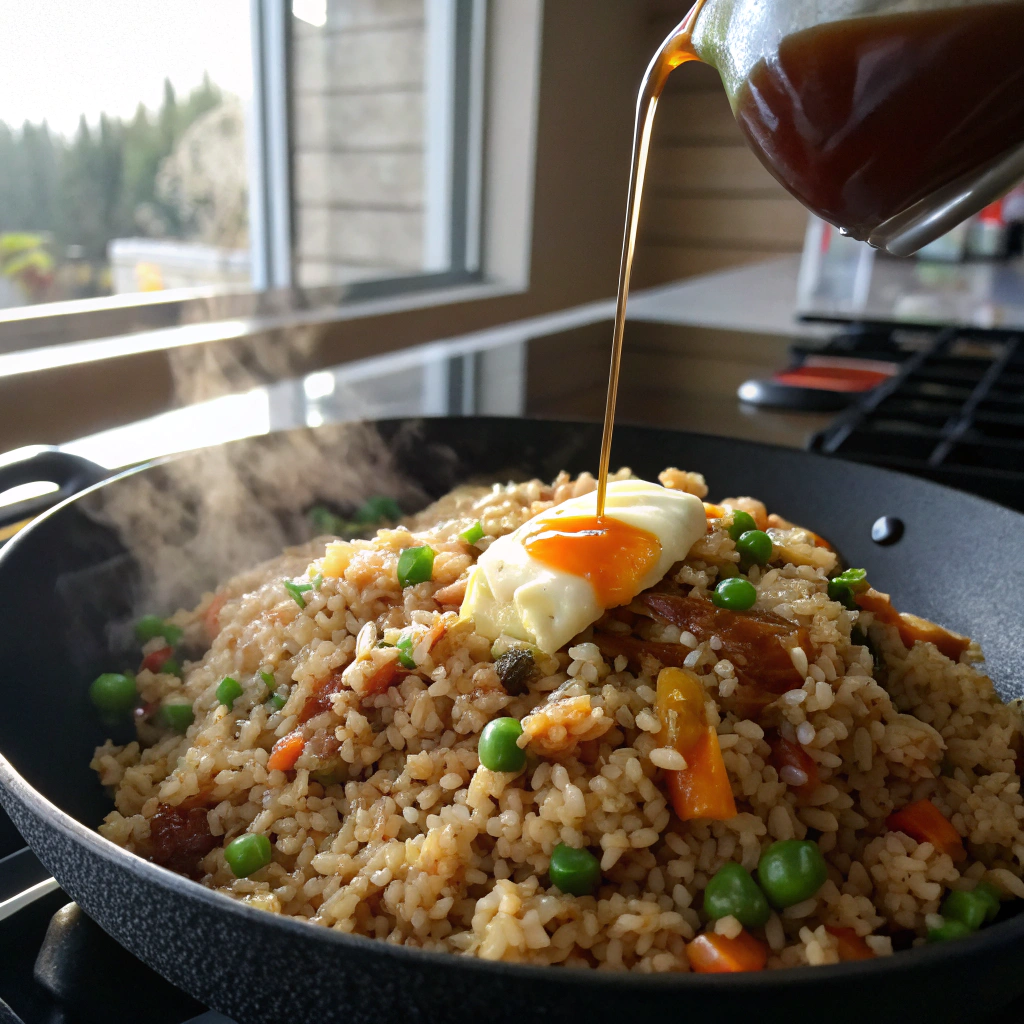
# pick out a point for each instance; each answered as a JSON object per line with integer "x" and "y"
{"x": 436, "y": 632}
{"x": 286, "y": 752}
{"x": 923, "y": 821}
{"x": 715, "y": 954}
{"x": 851, "y": 945}
{"x": 911, "y": 627}
{"x": 701, "y": 789}
{"x": 154, "y": 661}
{"x": 381, "y": 679}
{"x": 785, "y": 753}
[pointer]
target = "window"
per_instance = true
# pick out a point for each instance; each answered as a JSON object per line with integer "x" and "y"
{"x": 237, "y": 145}
{"x": 385, "y": 137}
{"x": 122, "y": 148}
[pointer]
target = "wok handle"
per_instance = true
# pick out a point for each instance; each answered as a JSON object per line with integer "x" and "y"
{"x": 71, "y": 474}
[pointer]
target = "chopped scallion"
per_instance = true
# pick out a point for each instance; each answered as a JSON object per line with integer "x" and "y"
{"x": 405, "y": 646}
{"x": 415, "y": 565}
{"x": 297, "y": 590}
{"x": 473, "y": 534}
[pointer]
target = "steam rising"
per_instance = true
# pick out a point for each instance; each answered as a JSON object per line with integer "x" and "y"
{"x": 197, "y": 520}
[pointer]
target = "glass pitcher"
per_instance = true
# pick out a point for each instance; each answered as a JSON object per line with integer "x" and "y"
{"x": 892, "y": 119}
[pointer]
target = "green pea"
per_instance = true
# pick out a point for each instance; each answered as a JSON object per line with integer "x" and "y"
{"x": 405, "y": 646}
{"x": 843, "y": 587}
{"x": 150, "y": 626}
{"x": 497, "y": 747}
{"x": 734, "y": 892}
{"x": 171, "y": 667}
{"x": 247, "y": 854}
{"x": 228, "y": 691}
{"x": 113, "y": 693}
{"x": 742, "y": 522}
{"x": 948, "y": 930}
{"x": 791, "y": 871}
{"x": 576, "y": 872}
{"x": 966, "y": 908}
{"x": 377, "y": 509}
{"x": 473, "y": 534}
{"x": 755, "y": 546}
{"x": 325, "y": 521}
{"x": 415, "y": 565}
{"x": 993, "y": 897}
{"x": 177, "y": 716}
{"x": 736, "y": 594}
{"x": 278, "y": 701}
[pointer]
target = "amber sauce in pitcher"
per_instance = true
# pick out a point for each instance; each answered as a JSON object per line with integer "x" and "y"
{"x": 858, "y": 118}
{"x": 861, "y": 118}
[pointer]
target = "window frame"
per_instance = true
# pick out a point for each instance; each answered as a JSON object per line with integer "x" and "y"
{"x": 459, "y": 106}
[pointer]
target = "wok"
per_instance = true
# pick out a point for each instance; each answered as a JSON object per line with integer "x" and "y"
{"x": 72, "y": 573}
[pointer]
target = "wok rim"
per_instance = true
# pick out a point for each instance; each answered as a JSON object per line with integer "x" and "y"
{"x": 17, "y": 789}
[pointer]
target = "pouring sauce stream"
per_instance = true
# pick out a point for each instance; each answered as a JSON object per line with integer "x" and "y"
{"x": 675, "y": 50}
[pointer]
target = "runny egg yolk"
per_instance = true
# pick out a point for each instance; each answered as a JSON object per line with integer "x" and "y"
{"x": 610, "y": 554}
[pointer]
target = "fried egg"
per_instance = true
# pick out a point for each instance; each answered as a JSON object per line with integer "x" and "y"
{"x": 559, "y": 572}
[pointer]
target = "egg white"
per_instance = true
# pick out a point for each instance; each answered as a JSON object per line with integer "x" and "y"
{"x": 509, "y": 592}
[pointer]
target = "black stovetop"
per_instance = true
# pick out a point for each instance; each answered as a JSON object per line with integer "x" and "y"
{"x": 58, "y": 967}
{"x": 954, "y": 411}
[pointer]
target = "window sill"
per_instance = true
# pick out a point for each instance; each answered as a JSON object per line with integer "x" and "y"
{"x": 56, "y": 354}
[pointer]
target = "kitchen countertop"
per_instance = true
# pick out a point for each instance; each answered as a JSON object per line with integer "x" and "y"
{"x": 498, "y": 371}
{"x": 751, "y": 309}
{"x": 748, "y": 313}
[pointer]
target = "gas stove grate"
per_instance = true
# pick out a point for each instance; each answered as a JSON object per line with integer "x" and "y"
{"x": 953, "y": 413}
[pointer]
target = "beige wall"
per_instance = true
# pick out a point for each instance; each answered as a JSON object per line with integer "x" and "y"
{"x": 709, "y": 204}
{"x": 358, "y": 132}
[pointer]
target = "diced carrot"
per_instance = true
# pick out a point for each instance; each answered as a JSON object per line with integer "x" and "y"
{"x": 154, "y": 661}
{"x": 437, "y": 630}
{"x": 819, "y": 541}
{"x": 681, "y": 709}
{"x": 851, "y": 945}
{"x": 911, "y": 627}
{"x": 715, "y": 954}
{"x": 211, "y": 617}
{"x": 923, "y": 821}
{"x": 713, "y": 511}
{"x": 381, "y": 679}
{"x": 701, "y": 789}
{"x": 793, "y": 755}
{"x": 751, "y": 506}
{"x": 286, "y": 752}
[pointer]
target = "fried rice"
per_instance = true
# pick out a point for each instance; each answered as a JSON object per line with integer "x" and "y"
{"x": 388, "y": 826}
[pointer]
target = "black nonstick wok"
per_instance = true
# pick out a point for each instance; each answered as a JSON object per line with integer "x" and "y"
{"x": 71, "y": 582}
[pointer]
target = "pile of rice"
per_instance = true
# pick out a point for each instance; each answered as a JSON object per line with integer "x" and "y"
{"x": 390, "y": 828}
